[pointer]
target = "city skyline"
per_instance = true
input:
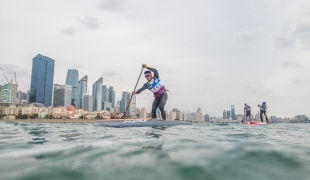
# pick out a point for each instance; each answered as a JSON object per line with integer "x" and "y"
{"x": 206, "y": 54}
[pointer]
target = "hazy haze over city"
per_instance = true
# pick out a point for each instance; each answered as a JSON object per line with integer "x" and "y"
{"x": 209, "y": 53}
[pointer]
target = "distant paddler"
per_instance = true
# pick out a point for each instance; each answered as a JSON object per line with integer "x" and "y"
{"x": 156, "y": 86}
{"x": 263, "y": 110}
{"x": 247, "y": 112}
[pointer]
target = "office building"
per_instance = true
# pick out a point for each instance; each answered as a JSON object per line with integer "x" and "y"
{"x": 82, "y": 90}
{"x": 107, "y": 106}
{"x": 232, "y": 110}
{"x": 207, "y": 118}
{"x": 112, "y": 96}
{"x": 9, "y": 93}
{"x": 73, "y": 80}
{"x": 97, "y": 95}
{"x": 131, "y": 111}
{"x": 62, "y": 95}
{"x": 21, "y": 97}
{"x": 228, "y": 114}
{"x": 143, "y": 113}
{"x": 124, "y": 102}
{"x": 87, "y": 103}
{"x": 224, "y": 114}
{"x": 117, "y": 107}
{"x": 42, "y": 78}
{"x": 105, "y": 94}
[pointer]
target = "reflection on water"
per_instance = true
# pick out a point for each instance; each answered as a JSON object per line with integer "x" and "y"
{"x": 201, "y": 151}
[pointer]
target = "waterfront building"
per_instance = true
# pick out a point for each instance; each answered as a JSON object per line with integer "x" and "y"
{"x": 97, "y": 95}
{"x": 87, "y": 103}
{"x": 73, "y": 80}
{"x": 228, "y": 114}
{"x": 224, "y": 114}
{"x": 82, "y": 90}
{"x": 132, "y": 106}
{"x": 105, "y": 94}
{"x": 172, "y": 115}
{"x": 207, "y": 118}
{"x": 107, "y": 106}
{"x": 199, "y": 110}
{"x": 186, "y": 116}
{"x": 117, "y": 107}
{"x": 22, "y": 97}
{"x": 9, "y": 93}
{"x": 62, "y": 95}
{"x": 124, "y": 102}
{"x": 232, "y": 110}
{"x": 112, "y": 96}
{"x": 143, "y": 113}
{"x": 193, "y": 117}
{"x": 42, "y": 78}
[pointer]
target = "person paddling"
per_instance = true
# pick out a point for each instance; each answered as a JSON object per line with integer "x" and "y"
{"x": 263, "y": 110}
{"x": 156, "y": 86}
{"x": 247, "y": 112}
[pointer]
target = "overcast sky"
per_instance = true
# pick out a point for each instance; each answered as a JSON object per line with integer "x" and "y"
{"x": 209, "y": 53}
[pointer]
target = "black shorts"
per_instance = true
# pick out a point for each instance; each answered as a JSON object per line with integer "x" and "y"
{"x": 248, "y": 113}
{"x": 263, "y": 112}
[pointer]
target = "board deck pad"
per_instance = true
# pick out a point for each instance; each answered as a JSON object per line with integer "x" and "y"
{"x": 138, "y": 123}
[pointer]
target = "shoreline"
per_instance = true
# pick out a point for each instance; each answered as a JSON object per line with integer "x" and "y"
{"x": 49, "y": 120}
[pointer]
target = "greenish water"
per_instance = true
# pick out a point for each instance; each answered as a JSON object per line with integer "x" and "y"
{"x": 203, "y": 151}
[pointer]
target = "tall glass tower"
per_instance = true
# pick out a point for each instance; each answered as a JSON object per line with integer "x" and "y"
{"x": 232, "y": 109}
{"x": 97, "y": 95}
{"x": 112, "y": 96}
{"x": 105, "y": 94}
{"x": 73, "y": 80}
{"x": 81, "y": 92}
{"x": 42, "y": 78}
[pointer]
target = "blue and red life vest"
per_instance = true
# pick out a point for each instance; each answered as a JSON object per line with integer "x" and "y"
{"x": 156, "y": 86}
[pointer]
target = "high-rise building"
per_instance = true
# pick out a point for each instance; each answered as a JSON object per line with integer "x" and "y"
{"x": 112, "y": 96}
{"x": 62, "y": 95}
{"x": 9, "y": 93}
{"x": 82, "y": 90}
{"x": 117, "y": 107}
{"x": 228, "y": 114}
{"x": 186, "y": 116}
{"x": 132, "y": 107}
{"x": 21, "y": 97}
{"x": 107, "y": 106}
{"x": 207, "y": 118}
{"x": 97, "y": 95}
{"x": 124, "y": 102}
{"x": 233, "y": 115}
{"x": 42, "y": 78}
{"x": 87, "y": 103}
{"x": 199, "y": 110}
{"x": 172, "y": 115}
{"x": 105, "y": 94}
{"x": 224, "y": 114}
{"x": 143, "y": 113}
{"x": 73, "y": 80}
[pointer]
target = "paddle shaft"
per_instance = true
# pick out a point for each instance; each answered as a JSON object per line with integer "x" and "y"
{"x": 132, "y": 94}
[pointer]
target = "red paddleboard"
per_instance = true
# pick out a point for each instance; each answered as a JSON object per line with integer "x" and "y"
{"x": 253, "y": 122}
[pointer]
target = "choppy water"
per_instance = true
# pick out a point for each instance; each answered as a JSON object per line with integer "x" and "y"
{"x": 203, "y": 151}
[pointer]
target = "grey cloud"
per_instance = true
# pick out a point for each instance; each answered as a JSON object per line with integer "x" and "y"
{"x": 245, "y": 36}
{"x": 285, "y": 42}
{"x": 291, "y": 65}
{"x": 69, "y": 31}
{"x": 297, "y": 81}
{"x": 302, "y": 33}
{"x": 111, "y": 4}
{"x": 90, "y": 23}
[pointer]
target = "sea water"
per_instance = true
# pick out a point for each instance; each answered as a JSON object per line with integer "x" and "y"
{"x": 30, "y": 151}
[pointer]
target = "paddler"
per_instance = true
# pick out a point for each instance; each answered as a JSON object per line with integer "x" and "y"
{"x": 247, "y": 112}
{"x": 263, "y": 110}
{"x": 156, "y": 86}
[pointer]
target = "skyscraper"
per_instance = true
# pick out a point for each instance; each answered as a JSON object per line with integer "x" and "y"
{"x": 62, "y": 95}
{"x": 21, "y": 96}
{"x": 124, "y": 102}
{"x": 207, "y": 118}
{"x": 105, "y": 94}
{"x": 112, "y": 96}
{"x": 224, "y": 114}
{"x": 73, "y": 80}
{"x": 198, "y": 110}
{"x": 132, "y": 107}
{"x": 97, "y": 95}
{"x": 87, "y": 103}
{"x": 82, "y": 90}
{"x": 233, "y": 115}
{"x": 228, "y": 114}
{"x": 9, "y": 93}
{"x": 42, "y": 78}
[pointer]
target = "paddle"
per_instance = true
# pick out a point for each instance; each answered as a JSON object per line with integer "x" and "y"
{"x": 132, "y": 94}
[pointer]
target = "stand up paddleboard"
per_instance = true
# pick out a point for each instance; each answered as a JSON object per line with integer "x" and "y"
{"x": 253, "y": 122}
{"x": 138, "y": 123}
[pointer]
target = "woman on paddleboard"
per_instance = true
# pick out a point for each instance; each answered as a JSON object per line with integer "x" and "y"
{"x": 156, "y": 86}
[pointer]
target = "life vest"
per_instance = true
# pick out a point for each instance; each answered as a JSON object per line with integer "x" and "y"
{"x": 263, "y": 107}
{"x": 247, "y": 109}
{"x": 156, "y": 86}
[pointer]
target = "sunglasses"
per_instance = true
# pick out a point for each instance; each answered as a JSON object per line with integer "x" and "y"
{"x": 148, "y": 75}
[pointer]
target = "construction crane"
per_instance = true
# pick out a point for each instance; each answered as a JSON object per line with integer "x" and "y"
{"x": 15, "y": 78}
{"x": 5, "y": 76}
